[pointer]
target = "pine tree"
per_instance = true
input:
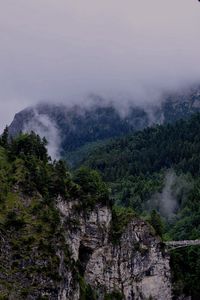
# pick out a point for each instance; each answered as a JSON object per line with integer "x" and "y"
{"x": 4, "y": 138}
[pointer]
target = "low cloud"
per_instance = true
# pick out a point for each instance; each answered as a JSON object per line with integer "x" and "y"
{"x": 45, "y": 127}
{"x": 127, "y": 52}
{"x": 174, "y": 193}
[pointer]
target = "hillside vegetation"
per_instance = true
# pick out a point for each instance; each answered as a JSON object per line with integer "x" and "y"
{"x": 159, "y": 168}
{"x": 32, "y": 239}
{"x": 141, "y": 171}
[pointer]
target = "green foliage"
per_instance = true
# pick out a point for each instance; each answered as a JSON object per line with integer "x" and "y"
{"x": 30, "y": 225}
{"x": 86, "y": 292}
{"x": 4, "y": 138}
{"x": 134, "y": 167}
{"x": 114, "y": 296}
{"x": 156, "y": 222}
{"x": 121, "y": 217}
{"x": 24, "y": 230}
{"x": 185, "y": 262}
{"x": 13, "y": 221}
{"x": 29, "y": 146}
{"x": 92, "y": 189}
{"x": 133, "y": 191}
{"x": 185, "y": 265}
{"x": 94, "y": 125}
{"x": 25, "y": 163}
{"x": 59, "y": 178}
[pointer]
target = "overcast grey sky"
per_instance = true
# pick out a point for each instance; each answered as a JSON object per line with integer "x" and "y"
{"x": 61, "y": 50}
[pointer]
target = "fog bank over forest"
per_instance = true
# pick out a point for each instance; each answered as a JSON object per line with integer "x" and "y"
{"x": 61, "y": 51}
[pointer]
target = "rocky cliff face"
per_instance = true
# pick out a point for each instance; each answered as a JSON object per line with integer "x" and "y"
{"x": 136, "y": 267}
{"x": 64, "y": 259}
{"x": 61, "y": 239}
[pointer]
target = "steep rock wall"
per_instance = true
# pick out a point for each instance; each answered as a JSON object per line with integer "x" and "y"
{"x": 137, "y": 266}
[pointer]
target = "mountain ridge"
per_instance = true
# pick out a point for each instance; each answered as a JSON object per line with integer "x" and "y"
{"x": 74, "y": 127}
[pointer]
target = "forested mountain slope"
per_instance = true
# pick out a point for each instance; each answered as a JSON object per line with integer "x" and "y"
{"x": 159, "y": 168}
{"x": 78, "y": 126}
{"x": 60, "y": 238}
{"x": 150, "y": 151}
{"x": 71, "y": 128}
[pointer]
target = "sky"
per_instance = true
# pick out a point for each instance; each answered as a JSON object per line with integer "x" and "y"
{"x": 63, "y": 50}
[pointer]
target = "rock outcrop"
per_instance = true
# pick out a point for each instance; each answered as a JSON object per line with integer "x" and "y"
{"x": 136, "y": 267}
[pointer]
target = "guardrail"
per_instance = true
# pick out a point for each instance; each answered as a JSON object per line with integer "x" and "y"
{"x": 181, "y": 244}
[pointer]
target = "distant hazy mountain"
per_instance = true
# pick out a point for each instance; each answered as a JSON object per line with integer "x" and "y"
{"x": 68, "y": 129}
